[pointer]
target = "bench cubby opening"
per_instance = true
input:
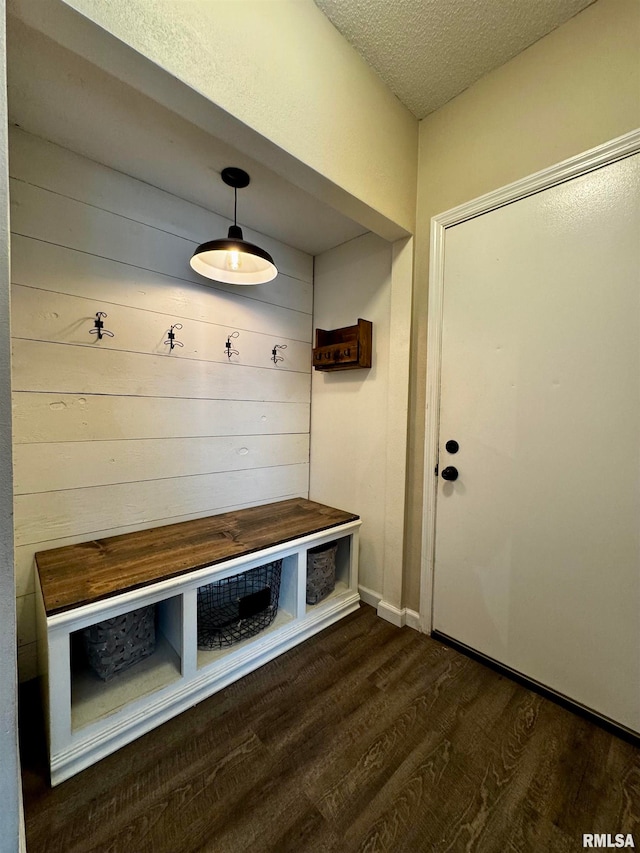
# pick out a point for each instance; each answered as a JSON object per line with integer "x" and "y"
{"x": 94, "y": 698}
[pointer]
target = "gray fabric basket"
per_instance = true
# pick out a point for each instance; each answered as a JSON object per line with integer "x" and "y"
{"x": 321, "y": 571}
{"x": 114, "y": 645}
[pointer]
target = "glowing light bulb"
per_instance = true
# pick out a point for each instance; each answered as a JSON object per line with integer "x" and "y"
{"x": 233, "y": 261}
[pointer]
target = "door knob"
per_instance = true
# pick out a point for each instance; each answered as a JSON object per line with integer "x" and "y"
{"x": 449, "y": 473}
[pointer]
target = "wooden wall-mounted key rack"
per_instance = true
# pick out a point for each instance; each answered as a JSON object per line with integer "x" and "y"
{"x": 343, "y": 349}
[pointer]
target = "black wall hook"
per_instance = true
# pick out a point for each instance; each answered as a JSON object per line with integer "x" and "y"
{"x": 99, "y": 329}
{"x": 274, "y": 353}
{"x": 171, "y": 338}
{"x": 228, "y": 347}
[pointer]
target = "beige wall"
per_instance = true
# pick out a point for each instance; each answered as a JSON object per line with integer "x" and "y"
{"x": 569, "y": 92}
{"x": 347, "y": 454}
{"x": 358, "y": 417}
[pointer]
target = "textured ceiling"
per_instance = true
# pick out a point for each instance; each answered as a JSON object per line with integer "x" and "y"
{"x": 428, "y": 51}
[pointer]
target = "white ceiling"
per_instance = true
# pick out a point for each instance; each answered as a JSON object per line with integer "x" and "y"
{"x": 428, "y": 51}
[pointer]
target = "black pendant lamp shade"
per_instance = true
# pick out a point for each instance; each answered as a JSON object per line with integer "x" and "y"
{"x": 232, "y": 259}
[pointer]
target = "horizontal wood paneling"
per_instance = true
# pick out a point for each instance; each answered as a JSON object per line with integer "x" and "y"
{"x": 56, "y": 268}
{"x": 50, "y": 515}
{"x": 54, "y": 218}
{"x": 76, "y": 465}
{"x": 100, "y": 370}
{"x": 51, "y": 417}
{"x": 122, "y": 434}
{"x": 51, "y": 167}
{"x": 41, "y": 315}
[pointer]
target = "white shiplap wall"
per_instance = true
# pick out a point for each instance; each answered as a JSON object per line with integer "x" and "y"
{"x": 122, "y": 434}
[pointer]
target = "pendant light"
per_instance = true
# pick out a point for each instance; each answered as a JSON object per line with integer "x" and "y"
{"x": 233, "y": 260}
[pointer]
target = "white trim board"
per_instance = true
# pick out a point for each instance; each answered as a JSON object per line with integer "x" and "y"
{"x": 399, "y": 616}
{"x": 595, "y": 158}
{"x": 369, "y": 596}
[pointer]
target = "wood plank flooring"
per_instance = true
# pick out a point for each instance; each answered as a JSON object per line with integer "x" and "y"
{"x": 365, "y": 738}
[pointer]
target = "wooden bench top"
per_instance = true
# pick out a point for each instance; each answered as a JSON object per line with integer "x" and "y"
{"x": 91, "y": 571}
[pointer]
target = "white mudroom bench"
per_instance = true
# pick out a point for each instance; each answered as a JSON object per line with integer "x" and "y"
{"x": 84, "y": 584}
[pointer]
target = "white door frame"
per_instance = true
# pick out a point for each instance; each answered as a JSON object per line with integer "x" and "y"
{"x": 604, "y": 154}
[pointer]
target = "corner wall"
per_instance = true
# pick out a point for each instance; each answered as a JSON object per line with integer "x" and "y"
{"x": 574, "y": 89}
{"x": 10, "y": 785}
{"x": 358, "y": 417}
{"x": 348, "y": 411}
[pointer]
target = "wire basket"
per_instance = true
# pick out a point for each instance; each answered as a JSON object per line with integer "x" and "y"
{"x": 321, "y": 571}
{"x": 116, "y": 644}
{"x": 238, "y": 607}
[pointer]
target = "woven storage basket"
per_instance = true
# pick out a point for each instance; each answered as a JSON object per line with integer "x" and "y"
{"x": 116, "y": 644}
{"x": 321, "y": 571}
{"x": 237, "y": 607}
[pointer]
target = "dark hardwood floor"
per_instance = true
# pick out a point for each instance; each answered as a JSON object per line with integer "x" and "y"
{"x": 365, "y": 738}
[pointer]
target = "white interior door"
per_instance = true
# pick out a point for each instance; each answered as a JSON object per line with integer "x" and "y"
{"x": 537, "y": 551}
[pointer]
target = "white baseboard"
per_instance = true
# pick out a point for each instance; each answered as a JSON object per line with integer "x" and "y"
{"x": 391, "y": 613}
{"x": 369, "y": 596}
{"x": 412, "y": 619}
{"x": 399, "y": 616}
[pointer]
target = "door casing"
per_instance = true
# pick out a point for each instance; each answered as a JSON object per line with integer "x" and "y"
{"x": 602, "y": 155}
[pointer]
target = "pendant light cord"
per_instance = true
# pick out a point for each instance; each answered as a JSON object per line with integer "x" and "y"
{"x": 235, "y": 205}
